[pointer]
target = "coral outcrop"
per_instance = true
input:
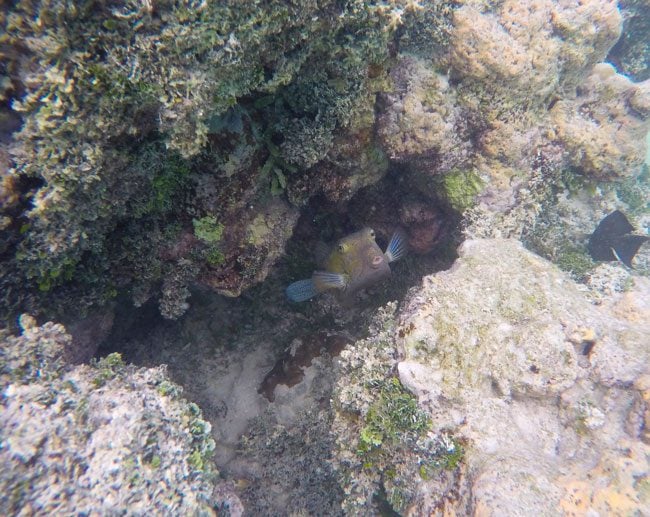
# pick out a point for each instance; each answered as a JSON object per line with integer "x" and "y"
{"x": 510, "y": 360}
{"x": 387, "y": 451}
{"x": 124, "y": 126}
{"x": 516, "y": 96}
{"x": 133, "y": 121}
{"x": 100, "y": 438}
{"x": 603, "y": 128}
{"x": 516, "y": 47}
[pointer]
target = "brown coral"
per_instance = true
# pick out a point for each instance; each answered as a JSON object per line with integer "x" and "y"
{"x": 603, "y": 128}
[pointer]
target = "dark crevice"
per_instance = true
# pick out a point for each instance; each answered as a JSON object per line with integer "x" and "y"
{"x": 20, "y": 190}
{"x": 312, "y": 328}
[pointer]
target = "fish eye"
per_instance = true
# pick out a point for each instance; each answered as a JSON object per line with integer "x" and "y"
{"x": 372, "y": 232}
{"x": 341, "y": 248}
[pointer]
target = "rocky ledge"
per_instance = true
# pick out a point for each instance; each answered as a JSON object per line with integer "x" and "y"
{"x": 531, "y": 398}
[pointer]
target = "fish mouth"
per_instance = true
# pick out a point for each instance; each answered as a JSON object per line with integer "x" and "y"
{"x": 376, "y": 261}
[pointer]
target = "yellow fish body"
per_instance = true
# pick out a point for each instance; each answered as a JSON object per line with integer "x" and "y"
{"x": 355, "y": 263}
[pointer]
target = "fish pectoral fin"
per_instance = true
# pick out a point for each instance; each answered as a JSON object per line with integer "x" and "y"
{"x": 616, "y": 255}
{"x": 325, "y": 280}
{"x": 396, "y": 247}
{"x": 301, "y": 291}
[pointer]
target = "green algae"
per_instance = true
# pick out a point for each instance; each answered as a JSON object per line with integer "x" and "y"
{"x": 459, "y": 189}
{"x": 394, "y": 416}
{"x": 208, "y": 229}
{"x": 169, "y": 389}
{"x": 108, "y": 368}
{"x": 203, "y": 445}
{"x": 575, "y": 260}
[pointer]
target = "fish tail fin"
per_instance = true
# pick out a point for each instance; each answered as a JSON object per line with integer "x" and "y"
{"x": 626, "y": 247}
{"x": 301, "y": 291}
{"x": 397, "y": 246}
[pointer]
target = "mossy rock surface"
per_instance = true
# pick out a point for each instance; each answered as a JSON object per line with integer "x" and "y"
{"x": 124, "y": 437}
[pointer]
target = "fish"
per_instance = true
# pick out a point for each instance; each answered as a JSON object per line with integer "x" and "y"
{"x": 613, "y": 240}
{"x": 354, "y": 263}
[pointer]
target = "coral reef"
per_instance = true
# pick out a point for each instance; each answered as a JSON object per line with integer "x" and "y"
{"x": 189, "y": 112}
{"x": 451, "y": 400}
{"x": 516, "y": 47}
{"x": 287, "y": 466}
{"x": 419, "y": 122}
{"x": 516, "y": 97}
{"x": 252, "y": 247}
{"x": 96, "y": 439}
{"x": 491, "y": 362}
{"x": 129, "y": 113}
{"x": 270, "y": 423}
{"x": 603, "y": 129}
{"x": 387, "y": 450}
{"x": 157, "y": 152}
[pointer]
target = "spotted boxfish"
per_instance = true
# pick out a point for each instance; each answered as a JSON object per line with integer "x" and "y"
{"x": 354, "y": 263}
{"x": 613, "y": 239}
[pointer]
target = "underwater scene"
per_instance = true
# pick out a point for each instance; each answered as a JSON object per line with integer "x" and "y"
{"x": 325, "y": 258}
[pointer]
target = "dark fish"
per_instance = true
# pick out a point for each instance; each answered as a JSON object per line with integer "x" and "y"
{"x": 613, "y": 240}
{"x": 353, "y": 264}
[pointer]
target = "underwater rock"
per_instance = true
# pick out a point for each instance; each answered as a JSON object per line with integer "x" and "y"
{"x": 426, "y": 225}
{"x": 285, "y": 469}
{"x": 214, "y": 109}
{"x": 512, "y": 363}
{"x": 100, "y": 438}
{"x": 504, "y": 334}
{"x": 419, "y": 123}
{"x": 603, "y": 129}
{"x": 159, "y": 102}
{"x": 252, "y": 243}
{"x": 189, "y": 164}
{"x": 476, "y": 124}
{"x": 356, "y": 160}
{"x": 386, "y": 451}
{"x": 513, "y": 50}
